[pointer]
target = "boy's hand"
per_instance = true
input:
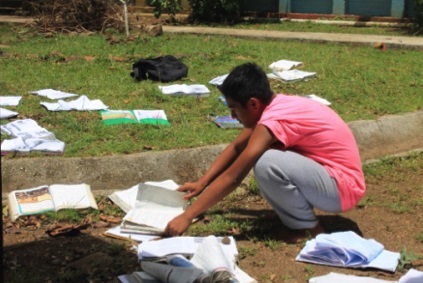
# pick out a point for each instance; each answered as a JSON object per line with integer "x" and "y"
{"x": 178, "y": 225}
{"x": 191, "y": 189}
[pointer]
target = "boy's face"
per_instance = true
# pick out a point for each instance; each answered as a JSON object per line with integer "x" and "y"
{"x": 247, "y": 115}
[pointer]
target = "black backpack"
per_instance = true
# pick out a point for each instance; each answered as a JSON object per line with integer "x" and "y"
{"x": 163, "y": 69}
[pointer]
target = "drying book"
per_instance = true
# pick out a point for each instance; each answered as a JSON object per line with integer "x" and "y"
{"x": 151, "y": 117}
{"x": 50, "y": 198}
{"x": 154, "y": 208}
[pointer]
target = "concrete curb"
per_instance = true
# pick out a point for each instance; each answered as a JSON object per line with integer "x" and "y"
{"x": 389, "y": 135}
{"x": 394, "y": 42}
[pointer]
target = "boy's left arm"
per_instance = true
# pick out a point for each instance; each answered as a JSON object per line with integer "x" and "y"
{"x": 226, "y": 182}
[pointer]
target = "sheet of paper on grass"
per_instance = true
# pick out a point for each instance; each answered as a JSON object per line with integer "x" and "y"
{"x": 10, "y": 100}
{"x": 347, "y": 249}
{"x": 29, "y": 136}
{"x": 183, "y": 89}
{"x": 151, "y": 117}
{"x": 6, "y": 113}
{"x": 82, "y": 103}
{"x": 217, "y": 81}
{"x": 291, "y": 75}
{"x": 284, "y": 65}
{"x": 53, "y": 94}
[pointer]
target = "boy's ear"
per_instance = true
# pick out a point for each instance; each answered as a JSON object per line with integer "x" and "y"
{"x": 254, "y": 103}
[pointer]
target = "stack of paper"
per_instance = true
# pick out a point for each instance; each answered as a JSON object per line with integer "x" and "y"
{"x": 347, "y": 249}
{"x": 211, "y": 257}
{"x": 149, "y": 206}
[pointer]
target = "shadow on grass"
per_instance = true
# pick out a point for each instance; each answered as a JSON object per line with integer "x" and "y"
{"x": 81, "y": 258}
{"x": 264, "y": 224}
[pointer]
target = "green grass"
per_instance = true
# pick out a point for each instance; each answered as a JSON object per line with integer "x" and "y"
{"x": 361, "y": 83}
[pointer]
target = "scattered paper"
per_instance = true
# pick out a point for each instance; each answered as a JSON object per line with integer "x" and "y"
{"x": 152, "y": 117}
{"x": 347, "y": 249}
{"x": 10, "y": 100}
{"x": 81, "y": 104}
{"x": 53, "y": 94}
{"x": 183, "y": 89}
{"x": 291, "y": 75}
{"x": 184, "y": 245}
{"x": 334, "y": 277}
{"x": 29, "y": 136}
{"x": 412, "y": 276}
{"x": 6, "y": 113}
{"x": 284, "y": 65}
{"x": 218, "y": 80}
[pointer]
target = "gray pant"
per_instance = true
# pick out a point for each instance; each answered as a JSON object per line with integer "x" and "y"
{"x": 293, "y": 185}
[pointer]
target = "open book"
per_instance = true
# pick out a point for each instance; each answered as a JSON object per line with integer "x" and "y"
{"x": 154, "y": 207}
{"x": 50, "y": 198}
{"x": 151, "y": 117}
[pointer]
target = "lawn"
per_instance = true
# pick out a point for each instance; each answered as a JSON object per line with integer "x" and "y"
{"x": 360, "y": 82}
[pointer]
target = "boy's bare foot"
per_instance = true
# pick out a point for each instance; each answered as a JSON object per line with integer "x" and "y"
{"x": 298, "y": 236}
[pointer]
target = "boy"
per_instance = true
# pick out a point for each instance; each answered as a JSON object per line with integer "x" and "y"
{"x": 302, "y": 153}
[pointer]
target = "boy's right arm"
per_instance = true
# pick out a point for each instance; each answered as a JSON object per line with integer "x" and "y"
{"x": 220, "y": 164}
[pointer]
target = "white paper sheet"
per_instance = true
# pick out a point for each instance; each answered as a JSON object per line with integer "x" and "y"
{"x": 10, "y": 100}
{"x": 53, "y": 94}
{"x": 83, "y": 103}
{"x": 6, "y": 113}
{"x": 218, "y": 80}
{"x": 177, "y": 89}
{"x": 179, "y": 245}
{"x": 334, "y": 277}
{"x": 284, "y": 65}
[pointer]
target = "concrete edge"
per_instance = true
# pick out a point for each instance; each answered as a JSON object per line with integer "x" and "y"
{"x": 386, "y": 136}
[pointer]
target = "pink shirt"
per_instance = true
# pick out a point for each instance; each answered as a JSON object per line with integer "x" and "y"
{"x": 317, "y": 132}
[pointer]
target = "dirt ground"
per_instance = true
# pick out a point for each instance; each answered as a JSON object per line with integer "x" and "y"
{"x": 392, "y": 214}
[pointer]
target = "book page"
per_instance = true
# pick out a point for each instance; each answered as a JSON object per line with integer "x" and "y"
{"x": 150, "y": 196}
{"x": 153, "y": 215}
{"x": 184, "y": 245}
{"x": 72, "y": 196}
{"x": 30, "y": 201}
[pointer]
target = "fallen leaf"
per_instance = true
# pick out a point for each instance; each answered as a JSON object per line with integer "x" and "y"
{"x": 89, "y": 58}
{"x": 110, "y": 219}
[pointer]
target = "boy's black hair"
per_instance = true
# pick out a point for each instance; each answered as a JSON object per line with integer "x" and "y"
{"x": 246, "y": 81}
